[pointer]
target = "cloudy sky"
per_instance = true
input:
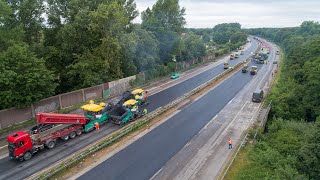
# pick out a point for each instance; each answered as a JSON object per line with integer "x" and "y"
{"x": 249, "y": 13}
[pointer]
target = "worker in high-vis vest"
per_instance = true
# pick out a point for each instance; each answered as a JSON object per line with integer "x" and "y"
{"x": 145, "y": 95}
{"x": 145, "y": 111}
{"x": 96, "y": 124}
{"x": 230, "y": 143}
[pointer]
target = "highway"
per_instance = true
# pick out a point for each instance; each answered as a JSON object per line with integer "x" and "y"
{"x": 11, "y": 169}
{"x": 143, "y": 158}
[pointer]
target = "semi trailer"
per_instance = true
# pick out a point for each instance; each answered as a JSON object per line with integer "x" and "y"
{"x": 51, "y": 127}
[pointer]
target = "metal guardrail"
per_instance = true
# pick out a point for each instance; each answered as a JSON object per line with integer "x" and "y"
{"x": 77, "y": 157}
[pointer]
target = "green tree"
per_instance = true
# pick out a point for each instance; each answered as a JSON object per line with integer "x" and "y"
{"x": 142, "y": 49}
{"x": 166, "y": 21}
{"x": 193, "y": 47}
{"x": 222, "y": 32}
{"x": 165, "y": 15}
{"x": 25, "y": 78}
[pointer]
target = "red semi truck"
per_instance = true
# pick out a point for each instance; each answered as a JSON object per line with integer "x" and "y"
{"x": 22, "y": 145}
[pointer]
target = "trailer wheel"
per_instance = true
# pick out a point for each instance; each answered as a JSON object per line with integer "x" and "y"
{"x": 27, "y": 155}
{"x": 79, "y": 132}
{"x": 51, "y": 144}
{"x": 72, "y": 135}
{"x": 65, "y": 137}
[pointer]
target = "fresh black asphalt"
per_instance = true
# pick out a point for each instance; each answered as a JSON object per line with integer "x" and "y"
{"x": 143, "y": 158}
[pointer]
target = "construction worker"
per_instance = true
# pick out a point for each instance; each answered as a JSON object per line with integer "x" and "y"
{"x": 230, "y": 143}
{"x": 96, "y": 124}
{"x": 145, "y": 95}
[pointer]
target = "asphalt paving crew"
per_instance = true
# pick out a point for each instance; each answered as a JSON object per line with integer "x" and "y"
{"x": 230, "y": 143}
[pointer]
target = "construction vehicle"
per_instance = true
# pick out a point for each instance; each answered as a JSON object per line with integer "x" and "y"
{"x": 129, "y": 111}
{"x": 225, "y": 65}
{"x": 96, "y": 114}
{"x": 253, "y": 70}
{"x": 51, "y": 127}
{"x": 231, "y": 56}
{"x": 264, "y": 55}
{"x": 236, "y": 55}
{"x": 137, "y": 94}
{"x": 245, "y": 69}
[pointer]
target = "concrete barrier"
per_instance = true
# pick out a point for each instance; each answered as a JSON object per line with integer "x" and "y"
{"x": 12, "y": 116}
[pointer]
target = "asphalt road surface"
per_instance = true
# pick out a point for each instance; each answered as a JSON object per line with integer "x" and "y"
{"x": 143, "y": 158}
{"x": 11, "y": 169}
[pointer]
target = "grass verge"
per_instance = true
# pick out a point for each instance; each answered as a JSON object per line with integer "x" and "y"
{"x": 241, "y": 162}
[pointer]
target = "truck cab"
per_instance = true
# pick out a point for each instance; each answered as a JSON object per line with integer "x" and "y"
{"x": 20, "y": 146}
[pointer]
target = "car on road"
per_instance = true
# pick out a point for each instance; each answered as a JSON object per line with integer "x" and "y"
{"x": 225, "y": 65}
{"x": 175, "y": 76}
{"x": 245, "y": 69}
{"x": 236, "y": 55}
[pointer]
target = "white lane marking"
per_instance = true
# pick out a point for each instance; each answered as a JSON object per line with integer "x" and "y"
{"x": 231, "y": 101}
{"x": 187, "y": 144}
{"x": 205, "y": 127}
{"x": 156, "y": 174}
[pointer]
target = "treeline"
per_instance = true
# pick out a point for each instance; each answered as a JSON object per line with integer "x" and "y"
{"x": 53, "y": 46}
{"x": 290, "y": 147}
{"x": 222, "y": 37}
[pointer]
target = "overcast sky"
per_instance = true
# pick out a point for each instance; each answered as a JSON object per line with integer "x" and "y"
{"x": 249, "y": 13}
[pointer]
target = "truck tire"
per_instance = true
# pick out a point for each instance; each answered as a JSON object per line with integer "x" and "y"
{"x": 27, "y": 155}
{"x": 65, "y": 137}
{"x": 72, "y": 135}
{"x": 51, "y": 144}
{"x": 79, "y": 132}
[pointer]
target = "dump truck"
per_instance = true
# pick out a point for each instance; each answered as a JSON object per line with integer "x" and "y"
{"x": 51, "y": 127}
{"x": 245, "y": 69}
{"x": 231, "y": 56}
{"x": 253, "y": 70}
{"x": 225, "y": 65}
